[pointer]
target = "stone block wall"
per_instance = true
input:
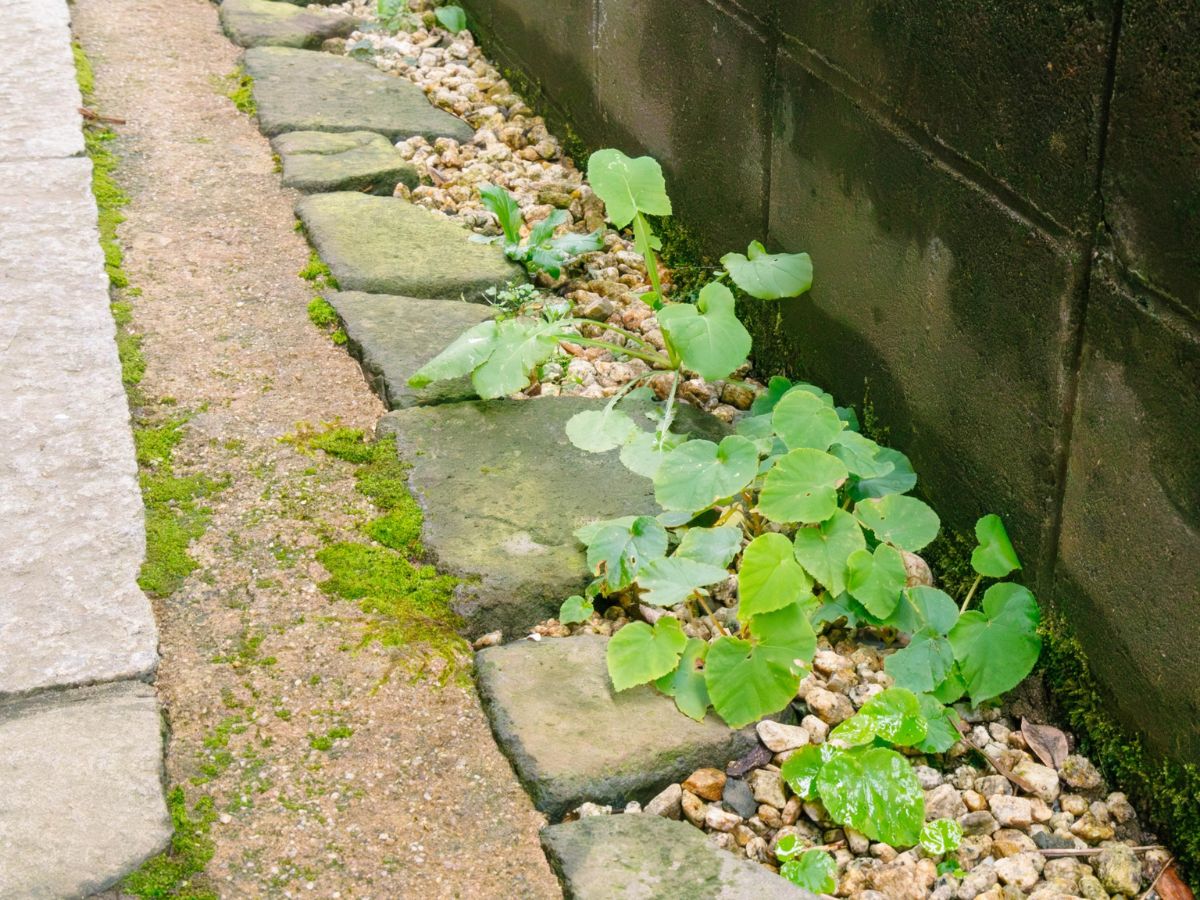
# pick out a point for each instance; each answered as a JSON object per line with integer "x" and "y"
{"x": 1002, "y": 203}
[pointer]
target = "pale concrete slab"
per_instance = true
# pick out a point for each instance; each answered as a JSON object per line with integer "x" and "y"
{"x": 71, "y": 522}
{"x": 81, "y": 799}
{"x": 39, "y": 98}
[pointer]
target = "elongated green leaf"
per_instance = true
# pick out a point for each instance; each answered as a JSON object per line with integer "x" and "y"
{"x": 941, "y": 836}
{"x": 923, "y": 664}
{"x": 620, "y": 552}
{"x": 904, "y": 522}
{"x": 521, "y": 345}
{"x": 802, "y": 487}
{"x": 823, "y": 550}
{"x": 601, "y": 430}
{"x": 452, "y": 18}
{"x": 686, "y": 683}
{"x": 638, "y": 653}
{"x": 893, "y": 714}
{"x": 862, "y": 456}
{"x": 874, "y": 790}
{"x": 709, "y": 337}
{"x": 644, "y": 454}
{"x": 541, "y": 233}
{"x": 715, "y": 546}
{"x": 769, "y": 276}
{"x": 900, "y": 480}
{"x": 575, "y": 609}
{"x": 997, "y": 647}
{"x": 697, "y": 474}
{"x": 770, "y": 578}
{"x": 812, "y": 870}
{"x": 995, "y": 556}
{"x": 503, "y": 205}
{"x": 876, "y": 579}
{"x": 942, "y": 733}
{"x": 574, "y": 244}
{"x": 628, "y": 186}
{"x": 800, "y": 770}
{"x": 467, "y": 352}
{"x": 674, "y": 579}
{"x": 802, "y": 420}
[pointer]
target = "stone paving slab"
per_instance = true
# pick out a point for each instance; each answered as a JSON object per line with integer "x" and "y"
{"x": 317, "y": 162}
{"x": 503, "y": 490}
{"x": 267, "y": 23}
{"x": 306, "y": 90}
{"x": 572, "y": 738}
{"x": 393, "y": 336}
{"x": 81, "y": 799}
{"x": 39, "y": 98}
{"x": 386, "y": 245}
{"x": 71, "y": 521}
{"x": 644, "y": 856}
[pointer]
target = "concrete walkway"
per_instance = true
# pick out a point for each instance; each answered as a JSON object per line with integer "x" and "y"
{"x": 80, "y": 738}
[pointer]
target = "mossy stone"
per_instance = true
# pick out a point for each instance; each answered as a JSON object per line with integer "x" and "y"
{"x": 265, "y": 23}
{"x": 316, "y": 162}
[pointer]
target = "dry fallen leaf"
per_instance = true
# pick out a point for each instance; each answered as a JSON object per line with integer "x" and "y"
{"x": 1171, "y": 887}
{"x": 1047, "y": 742}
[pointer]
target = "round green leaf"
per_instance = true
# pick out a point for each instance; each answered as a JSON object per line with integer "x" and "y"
{"x": 628, "y": 186}
{"x": 802, "y": 487}
{"x": 770, "y": 578}
{"x": 876, "y": 579}
{"x": 452, "y": 18}
{"x": 638, "y": 653}
{"x": 995, "y": 556}
{"x": 765, "y": 402}
{"x": 923, "y": 664}
{"x": 800, "y": 770}
{"x": 941, "y": 836}
{"x": 824, "y": 549}
{"x": 674, "y": 579}
{"x": 862, "y": 456}
{"x": 787, "y": 846}
{"x": 803, "y": 420}
{"x": 874, "y": 790}
{"x": 644, "y": 453}
{"x": 952, "y": 688}
{"x": 585, "y": 534}
{"x": 942, "y": 733}
{"x": 924, "y": 607}
{"x": 709, "y": 337}
{"x": 619, "y": 551}
{"x": 997, "y": 646}
{"x": 575, "y": 609}
{"x": 904, "y": 522}
{"x": 715, "y": 546}
{"x": 812, "y": 870}
{"x": 900, "y": 480}
{"x": 686, "y": 683}
{"x": 769, "y": 276}
{"x": 697, "y": 474}
{"x": 893, "y": 714}
{"x": 600, "y": 430}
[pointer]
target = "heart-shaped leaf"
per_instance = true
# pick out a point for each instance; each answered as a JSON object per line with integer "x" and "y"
{"x": 800, "y": 770}
{"x": 709, "y": 337}
{"x": 904, "y": 522}
{"x": 452, "y": 18}
{"x": 628, "y": 186}
{"x": 575, "y": 609}
{"x": 952, "y": 688}
{"x": 924, "y": 607}
{"x": 942, "y": 733}
{"x": 875, "y": 791}
{"x": 900, "y": 480}
{"x": 715, "y": 546}
{"x": 997, "y": 647}
{"x": 802, "y": 487}
{"x": 697, "y": 474}
{"x": 893, "y": 714}
{"x": 765, "y": 402}
{"x": 923, "y": 664}
{"x": 674, "y": 579}
{"x": 802, "y": 420}
{"x": 639, "y": 653}
{"x": 769, "y": 276}
{"x": 941, "y": 836}
{"x": 824, "y": 549}
{"x": 600, "y": 430}
{"x": 585, "y": 534}
{"x": 812, "y": 870}
{"x": 619, "y": 552}
{"x": 862, "y": 456}
{"x": 686, "y": 683}
{"x": 995, "y": 556}
{"x": 770, "y": 578}
{"x": 876, "y": 579}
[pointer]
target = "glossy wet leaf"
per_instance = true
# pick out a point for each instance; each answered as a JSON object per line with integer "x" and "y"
{"x": 521, "y": 346}
{"x": 769, "y": 276}
{"x": 452, "y": 18}
{"x": 862, "y": 456}
{"x": 465, "y": 353}
{"x": 504, "y": 206}
{"x": 824, "y": 549}
{"x": 686, "y": 683}
{"x": 628, "y": 185}
{"x": 645, "y": 452}
{"x": 800, "y": 770}
{"x": 995, "y": 556}
{"x": 674, "y": 579}
{"x": 997, "y": 646}
{"x": 801, "y": 419}
{"x": 788, "y": 846}
{"x": 715, "y": 546}
{"x": 941, "y": 836}
{"x": 893, "y": 714}
{"x": 900, "y": 480}
{"x": 708, "y": 336}
{"x": 619, "y": 552}
{"x": 598, "y": 431}
{"x": 923, "y": 664}
{"x": 697, "y": 474}
{"x": 575, "y": 609}
{"x": 802, "y": 487}
{"x": 876, "y": 579}
{"x": 904, "y": 522}
{"x": 769, "y": 577}
{"x": 812, "y": 870}
{"x": 639, "y": 653}
{"x": 941, "y": 734}
{"x": 874, "y": 790}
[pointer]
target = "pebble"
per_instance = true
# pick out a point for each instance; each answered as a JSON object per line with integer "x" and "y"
{"x": 694, "y": 809}
{"x": 1119, "y": 870}
{"x": 1020, "y": 871}
{"x": 1042, "y": 780}
{"x": 706, "y": 783}
{"x": 944, "y": 802}
{"x": 767, "y": 787}
{"x": 1079, "y": 773}
{"x": 1010, "y": 811}
{"x": 668, "y": 803}
{"x": 719, "y": 819}
{"x": 831, "y": 708}
{"x": 978, "y": 823}
{"x": 817, "y": 730}
{"x": 779, "y": 737}
{"x": 1092, "y": 830}
{"x": 738, "y": 796}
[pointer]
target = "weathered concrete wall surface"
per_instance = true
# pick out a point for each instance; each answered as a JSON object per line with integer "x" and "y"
{"x": 1002, "y": 202}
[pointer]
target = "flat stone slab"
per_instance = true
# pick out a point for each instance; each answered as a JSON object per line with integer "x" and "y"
{"x": 71, "y": 520}
{"x": 81, "y": 802}
{"x": 571, "y": 737}
{"x": 393, "y": 336}
{"x": 38, "y": 93}
{"x": 386, "y": 245}
{"x": 318, "y": 162}
{"x": 266, "y": 23}
{"x": 647, "y": 856}
{"x": 503, "y": 490}
{"x": 306, "y": 90}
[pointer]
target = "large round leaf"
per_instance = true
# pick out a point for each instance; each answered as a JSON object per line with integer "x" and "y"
{"x": 628, "y": 186}
{"x": 924, "y": 607}
{"x": 468, "y": 351}
{"x": 875, "y": 791}
{"x": 639, "y": 653}
{"x": 802, "y": 487}
{"x": 619, "y": 551}
{"x": 644, "y": 453}
{"x": 770, "y": 578}
{"x": 824, "y": 549}
{"x": 997, "y": 647}
{"x": 923, "y": 664}
{"x": 876, "y": 579}
{"x": 900, "y": 480}
{"x": 862, "y": 456}
{"x": 709, "y": 337}
{"x": 942, "y": 733}
{"x": 672, "y": 580}
{"x": 812, "y": 870}
{"x": 893, "y": 714}
{"x": 600, "y": 430}
{"x": 686, "y": 683}
{"x": 904, "y": 522}
{"x": 941, "y": 836}
{"x": 715, "y": 546}
{"x": 804, "y": 420}
{"x": 769, "y": 276}
{"x": 697, "y": 474}
{"x": 995, "y": 556}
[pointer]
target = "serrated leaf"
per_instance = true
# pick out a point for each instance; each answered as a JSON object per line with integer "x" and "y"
{"x": 503, "y": 205}
{"x": 861, "y": 455}
{"x": 686, "y": 683}
{"x": 893, "y": 714}
{"x": 697, "y": 474}
{"x": 800, "y": 770}
{"x": 824, "y": 549}
{"x": 673, "y": 579}
{"x": 996, "y": 647}
{"x": 639, "y": 653}
{"x": 769, "y": 276}
{"x": 942, "y": 733}
{"x": 521, "y": 346}
{"x": 876, "y": 579}
{"x": 904, "y": 522}
{"x": 466, "y": 353}
{"x": 802, "y": 487}
{"x": 621, "y": 552}
{"x": 601, "y": 430}
{"x": 452, "y": 18}
{"x": 715, "y": 546}
{"x": 709, "y": 337}
{"x": 769, "y": 577}
{"x": 575, "y": 609}
{"x": 995, "y": 556}
{"x": 812, "y": 870}
{"x": 801, "y": 419}
{"x": 628, "y": 186}
{"x": 941, "y": 836}
{"x": 923, "y": 664}
{"x": 900, "y": 480}
{"x": 875, "y": 791}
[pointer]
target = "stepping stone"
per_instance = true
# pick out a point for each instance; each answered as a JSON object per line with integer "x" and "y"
{"x": 571, "y": 737}
{"x": 503, "y": 490}
{"x": 265, "y": 23}
{"x": 642, "y": 855}
{"x": 81, "y": 802}
{"x": 392, "y": 337}
{"x": 316, "y": 162}
{"x": 386, "y": 245}
{"x": 306, "y": 90}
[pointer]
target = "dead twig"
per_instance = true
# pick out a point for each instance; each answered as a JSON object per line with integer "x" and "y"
{"x": 93, "y": 116}
{"x": 1161, "y": 872}
{"x": 1056, "y": 852}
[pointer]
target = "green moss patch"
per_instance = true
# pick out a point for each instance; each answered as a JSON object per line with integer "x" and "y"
{"x": 322, "y": 314}
{"x": 176, "y": 873}
{"x": 241, "y": 91}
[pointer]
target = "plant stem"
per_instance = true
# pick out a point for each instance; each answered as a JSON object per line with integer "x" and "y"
{"x": 717, "y": 625}
{"x": 624, "y": 389}
{"x": 669, "y": 412}
{"x": 1160, "y": 874}
{"x": 1055, "y": 852}
{"x": 971, "y": 593}
{"x": 652, "y": 358}
{"x": 607, "y": 327}
{"x": 642, "y": 235}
